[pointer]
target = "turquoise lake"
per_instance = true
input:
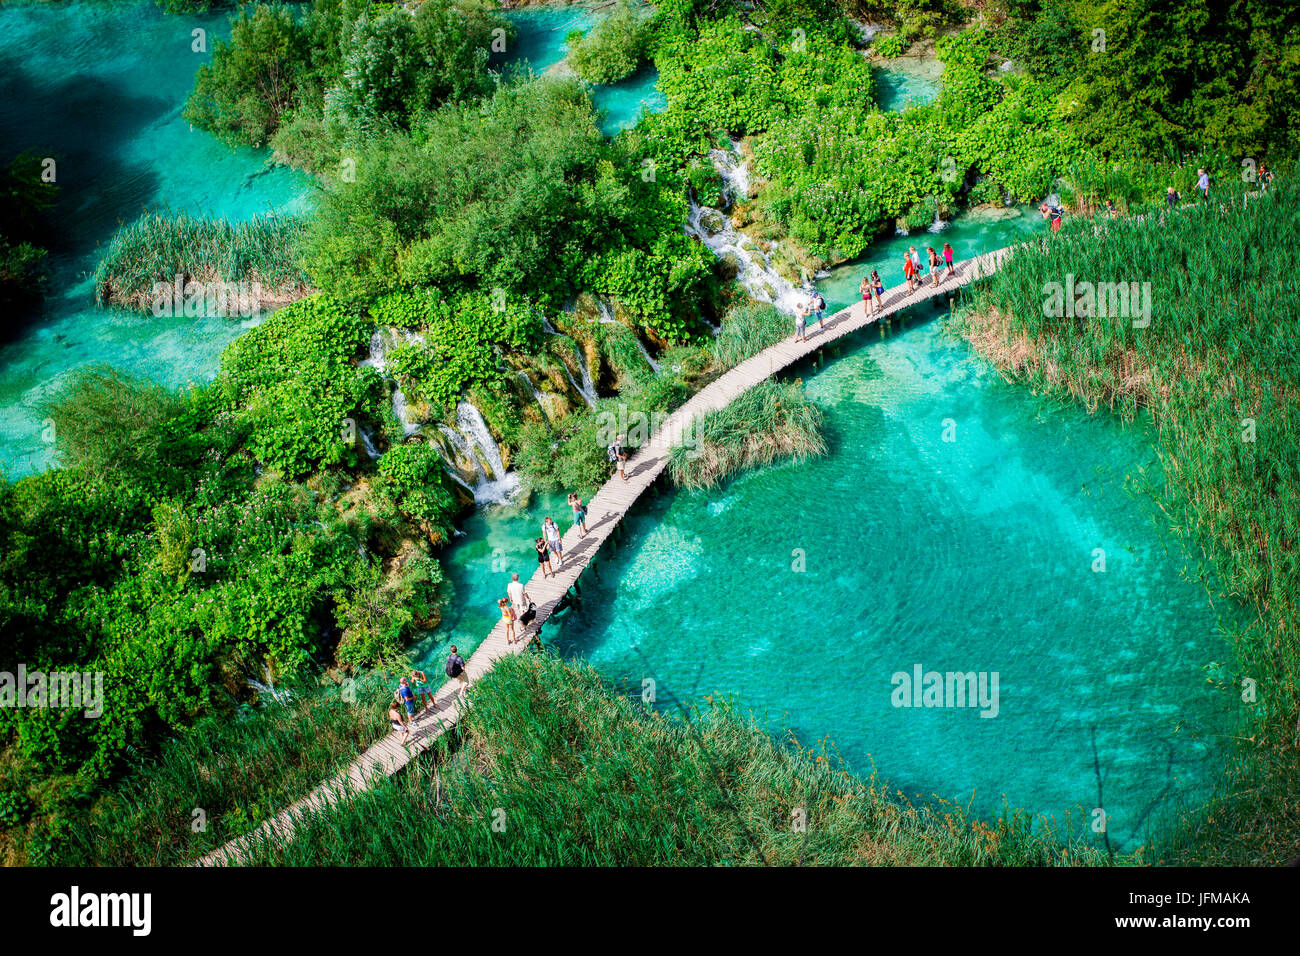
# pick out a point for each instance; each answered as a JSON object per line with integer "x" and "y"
{"x": 973, "y": 555}
{"x": 100, "y": 87}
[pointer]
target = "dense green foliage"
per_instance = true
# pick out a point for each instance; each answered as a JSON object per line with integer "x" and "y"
{"x": 236, "y": 769}
{"x": 1220, "y": 377}
{"x": 614, "y": 48}
{"x": 318, "y": 82}
{"x": 584, "y": 776}
{"x": 260, "y": 252}
{"x": 517, "y": 196}
{"x": 292, "y": 383}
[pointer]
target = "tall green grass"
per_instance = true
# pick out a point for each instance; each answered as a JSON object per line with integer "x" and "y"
{"x": 234, "y": 771}
{"x": 770, "y": 422}
{"x": 1218, "y": 366}
{"x": 747, "y": 330}
{"x": 554, "y": 769}
{"x": 157, "y": 248}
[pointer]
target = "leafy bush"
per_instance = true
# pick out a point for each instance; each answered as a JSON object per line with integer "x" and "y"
{"x": 293, "y": 383}
{"x": 613, "y": 49}
{"x": 891, "y": 45}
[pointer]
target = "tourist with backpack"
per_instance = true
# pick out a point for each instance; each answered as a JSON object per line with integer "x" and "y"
{"x": 579, "y": 513}
{"x": 456, "y": 668}
{"x": 405, "y": 696}
{"x": 934, "y": 265}
{"x": 553, "y": 540}
{"x": 818, "y": 305}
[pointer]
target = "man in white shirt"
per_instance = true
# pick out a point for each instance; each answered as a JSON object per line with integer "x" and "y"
{"x": 518, "y": 596}
{"x": 1203, "y": 183}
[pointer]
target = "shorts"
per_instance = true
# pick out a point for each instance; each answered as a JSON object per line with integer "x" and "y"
{"x": 422, "y": 689}
{"x": 579, "y": 517}
{"x": 398, "y": 725}
{"x": 542, "y": 557}
{"x": 556, "y": 546}
{"x": 620, "y": 465}
{"x": 410, "y": 707}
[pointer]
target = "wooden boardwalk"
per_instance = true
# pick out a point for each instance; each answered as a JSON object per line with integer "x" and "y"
{"x": 604, "y": 512}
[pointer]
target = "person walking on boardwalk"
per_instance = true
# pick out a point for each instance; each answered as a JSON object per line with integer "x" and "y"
{"x": 543, "y": 557}
{"x": 947, "y": 257}
{"x": 800, "y": 321}
{"x": 399, "y": 721}
{"x": 554, "y": 541}
{"x": 406, "y": 696}
{"x": 866, "y": 289}
{"x": 909, "y": 270}
{"x": 934, "y": 265}
{"x": 878, "y": 290}
{"x": 508, "y": 615}
{"x": 618, "y": 457}
{"x": 579, "y": 513}
{"x": 518, "y": 596}
{"x": 818, "y": 306}
{"x": 422, "y": 689}
{"x": 456, "y": 668}
{"x": 1203, "y": 184}
{"x": 916, "y": 264}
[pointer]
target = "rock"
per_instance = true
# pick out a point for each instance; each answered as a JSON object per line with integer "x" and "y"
{"x": 712, "y": 221}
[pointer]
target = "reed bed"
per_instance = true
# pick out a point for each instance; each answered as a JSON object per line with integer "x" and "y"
{"x": 747, "y": 330}
{"x": 773, "y": 421}
{"x": 156, "y": 248}
{"x": 1218, "y": 372}
{"x": 555, "y": 768}
{"x": 238, "y": 771}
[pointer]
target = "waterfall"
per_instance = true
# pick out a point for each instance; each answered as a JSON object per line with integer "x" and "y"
{"x": 495, "y": 483}
{"x": 378, "y": 359}
{"x": 714, "y": 229}
{"x": 654, "y": 366}
{"x": 537, "y": 396}
{"x": 368, "y": 443}
{"x": 938, "y": 225}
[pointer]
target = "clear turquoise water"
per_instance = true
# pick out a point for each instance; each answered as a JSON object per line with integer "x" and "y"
{"x": 541, "y": 44}
{"x": 907, "y": 81}
{"x": 975, "y": 555}
{"x": 100, "y": 86}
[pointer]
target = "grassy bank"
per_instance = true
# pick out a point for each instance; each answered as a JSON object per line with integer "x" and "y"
{"x": 138, "y": 270}
{"x": 771, "y": 422}
{"x": 553, "y": 768}
{"x": 1217, "y": 369}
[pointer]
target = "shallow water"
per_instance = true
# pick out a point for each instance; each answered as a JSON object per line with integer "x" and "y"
{"x": 907, "y": 81}
{"x": 99, "y": 86}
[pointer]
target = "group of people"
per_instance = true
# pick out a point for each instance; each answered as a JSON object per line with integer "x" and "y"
{"x": 414, "y": 691}
{"x": 872, "y": 287}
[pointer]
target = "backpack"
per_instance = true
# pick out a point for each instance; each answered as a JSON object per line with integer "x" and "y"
{"x": 454, "y": 666}
{"x": 613, "y": 452}
{"x": 819, "y": 303}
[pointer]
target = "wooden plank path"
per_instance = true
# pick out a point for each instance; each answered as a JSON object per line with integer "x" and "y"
{"x": 604, "y": 512}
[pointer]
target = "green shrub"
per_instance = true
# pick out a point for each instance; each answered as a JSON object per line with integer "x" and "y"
{"x": 614, "y": 48}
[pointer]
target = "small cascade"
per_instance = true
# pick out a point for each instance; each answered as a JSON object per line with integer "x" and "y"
{"x": 712, "y": 227}
{"x": 378, "y": 359}
{"x": 938, "y": 225}
{"x": 537, "y": 396}
{"x": 654, "y": 366}
{"x": 495, "y": 483}
{"x": 368, "y": 443}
